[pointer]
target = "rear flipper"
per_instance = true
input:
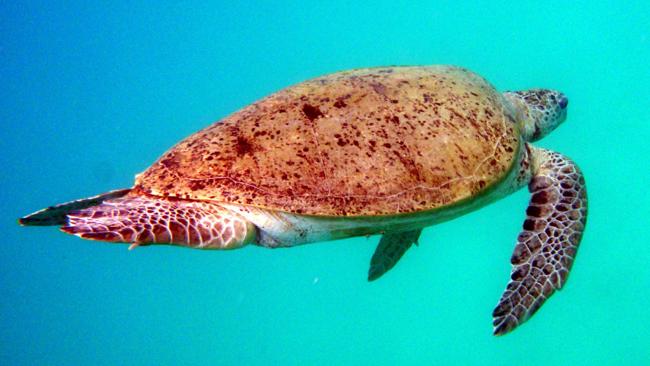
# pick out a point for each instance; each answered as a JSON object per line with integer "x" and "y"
{"x": 546, "y": 247}
{"x": 391, "y": 248}
{"x": 142, "y": 220}
{"x": 56, "y": 215}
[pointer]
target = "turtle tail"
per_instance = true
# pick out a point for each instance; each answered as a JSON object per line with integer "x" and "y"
{"x": 58, "y": 215}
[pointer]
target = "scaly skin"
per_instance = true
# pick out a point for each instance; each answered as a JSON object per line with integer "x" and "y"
{"x": 546, "y": 248}
{"x": 143, "y": 220}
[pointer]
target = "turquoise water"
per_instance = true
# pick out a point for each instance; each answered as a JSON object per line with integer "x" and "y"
{"x": 93, "y": 93}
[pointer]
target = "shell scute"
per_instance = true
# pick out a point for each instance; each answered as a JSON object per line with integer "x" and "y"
{"x": 380, "y": 141}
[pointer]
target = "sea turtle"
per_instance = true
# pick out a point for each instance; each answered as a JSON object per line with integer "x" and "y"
{"x": 386, "y": 150}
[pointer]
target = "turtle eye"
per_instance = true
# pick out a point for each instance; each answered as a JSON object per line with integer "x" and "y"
{"x": 564, "y": 102}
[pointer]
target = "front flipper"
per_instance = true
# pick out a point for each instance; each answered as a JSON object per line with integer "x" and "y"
{"x": 546, "y": 247}
{"x": 390, "y": 249}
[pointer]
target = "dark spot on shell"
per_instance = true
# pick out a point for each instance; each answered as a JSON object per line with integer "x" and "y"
{"x": 170, "y": 161}
{"x": 379, "y": 88}
{"x": 311, "y": 112}
{"x": 243, "y": 146}
{"x": 196, "y": 185}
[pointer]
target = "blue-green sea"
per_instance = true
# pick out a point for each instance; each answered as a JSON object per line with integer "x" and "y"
{"x": 92, "y": 92}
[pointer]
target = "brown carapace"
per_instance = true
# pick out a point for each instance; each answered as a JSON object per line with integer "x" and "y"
{"x": 367, "y": 142}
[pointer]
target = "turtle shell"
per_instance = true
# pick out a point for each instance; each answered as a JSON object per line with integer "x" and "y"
{"x": 366, "y": 142}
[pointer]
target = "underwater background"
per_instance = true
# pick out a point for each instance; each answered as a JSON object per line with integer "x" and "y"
{"x": 91, "y": 93}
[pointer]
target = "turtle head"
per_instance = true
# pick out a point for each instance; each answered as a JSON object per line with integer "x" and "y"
{"x": 539, "y": 111}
